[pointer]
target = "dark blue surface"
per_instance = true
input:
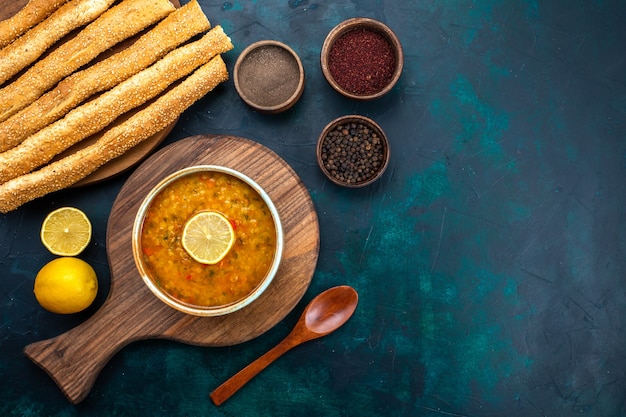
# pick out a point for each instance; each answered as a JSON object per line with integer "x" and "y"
{"x": 490, "y": 259}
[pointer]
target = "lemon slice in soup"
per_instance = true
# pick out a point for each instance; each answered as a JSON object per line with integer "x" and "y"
{"x": 208, "y": 236}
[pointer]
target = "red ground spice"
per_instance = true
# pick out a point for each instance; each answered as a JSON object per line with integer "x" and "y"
{"x": 361, "y": 61}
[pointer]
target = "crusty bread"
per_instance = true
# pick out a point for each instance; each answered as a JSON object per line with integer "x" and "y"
{"x": 116, "y": 141}
{"x": 118, "y": 23}
{"x": 33, "y": 13}
{"x": 98, "y": 113}
{"x": 178, "y": 27}
{"x": 26, "y": 49}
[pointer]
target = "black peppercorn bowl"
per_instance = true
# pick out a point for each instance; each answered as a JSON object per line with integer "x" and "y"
{"x": 353, "y": 151}
{"x": 346, "y": 81}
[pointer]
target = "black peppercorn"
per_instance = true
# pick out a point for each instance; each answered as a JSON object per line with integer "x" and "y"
{"x": 352, "y": 153}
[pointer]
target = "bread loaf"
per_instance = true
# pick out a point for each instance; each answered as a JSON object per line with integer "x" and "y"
{"x": 98, "y": 113}
{"x": 178, "y": 27}
{"x": 33, "y": 13}
{"x": 26, "y": 49}
{"x": 116, "y": 141}
{"x": 119, "y": 23}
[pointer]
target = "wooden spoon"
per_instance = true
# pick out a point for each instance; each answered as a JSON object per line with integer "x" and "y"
{"x": 324, "y": 314}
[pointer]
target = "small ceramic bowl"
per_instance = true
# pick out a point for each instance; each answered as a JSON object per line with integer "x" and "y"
{"x": 161, "y": 264}
{"x": 353, "y": 151}
{"x": 269, "y": 76}
{"x": 370, "y": 67}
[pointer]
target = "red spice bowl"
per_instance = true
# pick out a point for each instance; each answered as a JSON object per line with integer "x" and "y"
{"x": 173, "y": 274}
{"x": 353, "y": 151}
{"x": 362, "y": 58}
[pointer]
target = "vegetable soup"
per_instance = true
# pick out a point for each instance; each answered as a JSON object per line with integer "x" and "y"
{"x": 245, "y": 265}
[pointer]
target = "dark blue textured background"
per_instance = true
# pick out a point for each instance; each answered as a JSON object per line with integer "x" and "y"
{"x": 490, "y": 259}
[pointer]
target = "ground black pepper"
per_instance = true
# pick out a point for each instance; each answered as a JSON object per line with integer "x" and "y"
{"x": 352, "y": 153}
{"x": 269, "y": 76}
{"x": 362, "y": 61}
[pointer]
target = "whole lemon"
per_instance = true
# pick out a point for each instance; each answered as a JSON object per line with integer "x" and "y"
{"x": 66, "y": 285}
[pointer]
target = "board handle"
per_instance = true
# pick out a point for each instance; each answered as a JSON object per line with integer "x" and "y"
{"x": 75, "y": 358}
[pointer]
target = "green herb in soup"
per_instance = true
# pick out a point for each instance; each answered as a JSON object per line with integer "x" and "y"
{"x": 245, "y": 265}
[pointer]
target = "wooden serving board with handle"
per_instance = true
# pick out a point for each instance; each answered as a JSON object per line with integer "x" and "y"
{"x": 131, "y": 312}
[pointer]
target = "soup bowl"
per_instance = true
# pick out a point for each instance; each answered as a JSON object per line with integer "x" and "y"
{"x": 168, "y": 268}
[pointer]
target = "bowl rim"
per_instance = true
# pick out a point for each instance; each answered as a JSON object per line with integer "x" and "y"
{"x": 287, "y": 104}
{"x": 348, "y": 119}
{"x": 185, "y": 307}
{"x": 365, "y": 23}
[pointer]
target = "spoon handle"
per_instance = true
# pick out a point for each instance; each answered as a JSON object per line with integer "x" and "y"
{"x": 232, "y": 385}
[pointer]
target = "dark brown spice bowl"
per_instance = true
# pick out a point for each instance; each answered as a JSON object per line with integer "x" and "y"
{"x": 362, "y": 58}
{"x": 353, "y": 151}
{"x": 269, "y": 76}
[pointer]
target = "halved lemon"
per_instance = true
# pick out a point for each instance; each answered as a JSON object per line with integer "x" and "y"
{"x": 66, "y": 231}
{"x": 208, "y": 236}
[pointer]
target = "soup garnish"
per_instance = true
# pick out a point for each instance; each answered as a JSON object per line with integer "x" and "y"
{"x": 244, "y": 266}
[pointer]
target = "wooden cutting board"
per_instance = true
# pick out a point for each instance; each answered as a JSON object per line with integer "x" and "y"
{"x": 131, "y": 312}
